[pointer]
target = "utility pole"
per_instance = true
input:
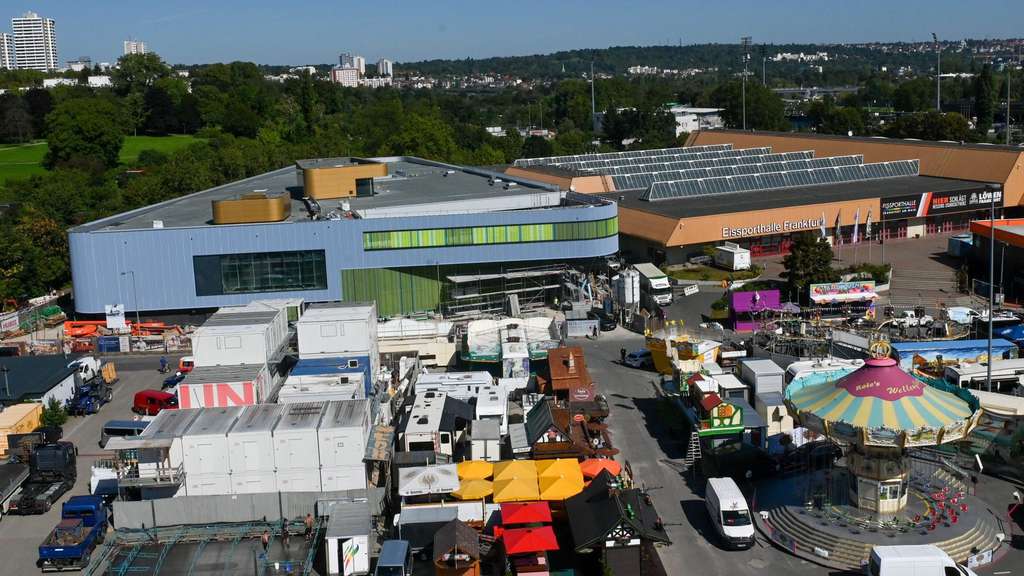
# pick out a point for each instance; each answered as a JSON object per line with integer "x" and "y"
{"x": 593, "y": 100}
{"x": 1009, "y": 69}
{"x": 992, "y": 190}
{"x": 938, "y": 74}
{"x": 764, "y": 65}
{"x": 745, "y": 42}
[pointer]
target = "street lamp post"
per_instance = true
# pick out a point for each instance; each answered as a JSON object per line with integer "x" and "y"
{"x": 135, "y": 295}
{"x": 745, "y": 42}
{"x": 938, "y": 74}
{"x": 992, "y": 190}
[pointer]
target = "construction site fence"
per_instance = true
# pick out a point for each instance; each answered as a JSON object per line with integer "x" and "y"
{"x": 199, "y": 510}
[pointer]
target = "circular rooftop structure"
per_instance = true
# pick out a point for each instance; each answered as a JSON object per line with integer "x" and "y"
{"x": 880, "y": 404}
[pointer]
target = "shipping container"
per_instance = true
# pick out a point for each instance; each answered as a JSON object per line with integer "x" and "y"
{"x": 343, "y": 478}
{"x": 238, "y": 338}
{"x": 18, "y": 419}
{"x": 343, "y": 433}
{"x": 322, "y": 388}
{"x": 762, "y": 375}
{"x": 299, "y": 480}
{"x": 339, "y": 365}
{"x": 279, "y": 324}
{"x": 169, "y": 425}
{"x": 205, "y": 443}
{"x": 207, "y": 485}
{"x": 338, "y": 329}
{"x": 253, "y": 482}
{"x": 295, "y": 437}
{"x": 251, "y": 441}
{"x": 223, "y": 386}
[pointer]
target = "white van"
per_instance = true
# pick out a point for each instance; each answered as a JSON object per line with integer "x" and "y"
{"x": 924, "y": 560}
{"x": 729, "y": 512}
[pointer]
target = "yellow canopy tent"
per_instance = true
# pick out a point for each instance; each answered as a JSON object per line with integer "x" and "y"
{"x": 509, "y": 469}
{"x": 474, "y": 489}
{"x": 569, "y": 467}
{"x": 516, "y": 490}
{"x": 475, "y": 469}
{"x": 560, "y": 487}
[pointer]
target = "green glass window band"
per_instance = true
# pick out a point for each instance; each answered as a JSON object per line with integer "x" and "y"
{"x": 487, "y": 235}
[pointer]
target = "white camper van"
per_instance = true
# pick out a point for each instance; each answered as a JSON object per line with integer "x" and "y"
{"x": 729, "y": 512}
{"x": 925, "y": 560}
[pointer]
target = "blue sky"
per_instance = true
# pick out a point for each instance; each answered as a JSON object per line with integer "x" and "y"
{"x": 314, "y": 31}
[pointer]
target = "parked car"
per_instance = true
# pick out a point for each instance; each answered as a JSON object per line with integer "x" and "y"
{"x": 172, "y": 381}
{"x": 605, "y": 320}
{"x": 639, "y": 359}
{"x": 151, "y": 402}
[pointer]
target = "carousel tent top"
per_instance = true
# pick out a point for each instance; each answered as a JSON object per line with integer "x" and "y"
{"x": 880, "y": 396}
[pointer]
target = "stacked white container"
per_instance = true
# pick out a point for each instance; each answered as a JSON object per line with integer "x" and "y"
{"x": 251, "y": 450}
{"x": 295, "y": 455}
{"x": 205, "y": 452}
{"x": 342, "y": 437}
{"x": 236, "y": 337}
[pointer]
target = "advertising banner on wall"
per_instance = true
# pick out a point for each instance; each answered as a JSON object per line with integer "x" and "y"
{"x": 935, "y": 203}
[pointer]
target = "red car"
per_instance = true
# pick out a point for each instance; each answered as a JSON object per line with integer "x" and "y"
{"x": 151, "y": 402}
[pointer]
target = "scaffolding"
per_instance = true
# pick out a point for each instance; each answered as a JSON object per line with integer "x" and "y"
{"x": 479, "y": 295}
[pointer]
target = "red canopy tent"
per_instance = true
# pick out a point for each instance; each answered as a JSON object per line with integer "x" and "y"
{"x": 529, "y": 540}
{"x": 525, "y": 513}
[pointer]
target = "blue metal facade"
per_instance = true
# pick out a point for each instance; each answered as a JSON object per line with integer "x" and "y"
{"x": 161, "y": 258}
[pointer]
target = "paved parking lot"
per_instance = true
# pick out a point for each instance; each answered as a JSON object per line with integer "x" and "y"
{"x": 640, "y": 431}
{"x": 21, "y": 535}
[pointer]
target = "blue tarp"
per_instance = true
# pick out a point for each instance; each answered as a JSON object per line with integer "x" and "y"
{"x": 1015, "y": 333}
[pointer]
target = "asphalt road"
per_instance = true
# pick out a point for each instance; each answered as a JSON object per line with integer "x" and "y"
{"x": 21, "y": 535}
{"x": 639, "y": 431}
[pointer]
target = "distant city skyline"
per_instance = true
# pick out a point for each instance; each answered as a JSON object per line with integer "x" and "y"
{"x": 190, "y": 31}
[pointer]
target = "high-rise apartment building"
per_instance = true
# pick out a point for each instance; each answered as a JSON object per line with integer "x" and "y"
{"x": 6, "y": 51}
{"x": 35, "y": 42}
{"x": 359, "y": 63}
{"x": 385, "y": 67}
{"x": 346, "y": 76}
{"x": 347, "y": 60}
{"x": 134, "y": 47}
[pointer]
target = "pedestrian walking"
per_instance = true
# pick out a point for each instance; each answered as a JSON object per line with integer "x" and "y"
{"x": 308, "y": 521}
{"x": 265, "y": 539}
{"x": 285, "y": 536}
{"x": 163, "y": 364}
{"x": 622, "y": 355}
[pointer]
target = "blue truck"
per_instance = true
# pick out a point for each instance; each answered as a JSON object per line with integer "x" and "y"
{"x": 82, "y": 527}
{"x": 89, "y": 398}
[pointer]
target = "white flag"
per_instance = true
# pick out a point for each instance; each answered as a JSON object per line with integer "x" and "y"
{"x": 823, "y": 235}
{"x": 856, "y": 226}
{"x": 867, "y": 226}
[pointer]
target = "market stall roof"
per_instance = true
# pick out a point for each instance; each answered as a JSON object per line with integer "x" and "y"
{"x": 516, "y": 490}
{"x": 593, "y": 466}
{"x": 474, "y": 489}
{"x": 509, "y": 469}
{"x": 421, "y": 480}
{"x": 598, "y": 510}
{"x": 559, "y": 487}
{"x": 456, "y": 537}
{"x": 475, "y": 469}
{"x": 529, "y": 540}
{"x": 525, "y": 513}
{"x": 880, "y": 395}
{"x": 569, "y": 467}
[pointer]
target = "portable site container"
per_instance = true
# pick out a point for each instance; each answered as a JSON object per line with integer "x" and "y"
{"x": 461, "y": 385}
{"x": 343, "y": 435}
{"x": 251, "y": 441}
{"x": 340, "y": 366}
{"x": 253, "y": 483}
{"x": 338, "y": 329}
{"x": 484, "y": 440}
{"x": 205, "y": 444}
{"x": 223, "y": 386}
{"x": 762, "y": 375}
{"x": 291, "y": 307}
{"x": 169, "y": 425}
{"x": 18, "y": 419}
{"x": 238, "y": 338}
{"x": 295, "y": 454}
{"x": 322, "y": 388}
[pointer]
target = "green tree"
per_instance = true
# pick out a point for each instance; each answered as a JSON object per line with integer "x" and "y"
{"x": 765, "y": 110}
{"x": 135, "y": 111}
{"x": 161, "y": 117}
{"x": 136, "y": 72}
{"x": 915, "y": 95}
{"x": 537, "y": 147}
{"x": 84, "y": 129}
{"x": 930, "y": 125}
{"x": 15, "y": 120}
{"x": 40, "y": 103}
{"x": 53, "y": 414}
{"x": 808, "y": 262}
{"x": 984, "y": 100}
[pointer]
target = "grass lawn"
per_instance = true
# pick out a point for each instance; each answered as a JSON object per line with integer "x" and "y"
{"x": 712, "y": 273}
{"x": 26, "y": 159}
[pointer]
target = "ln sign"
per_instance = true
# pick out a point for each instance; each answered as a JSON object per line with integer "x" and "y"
{"x": 220, "y": 395}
